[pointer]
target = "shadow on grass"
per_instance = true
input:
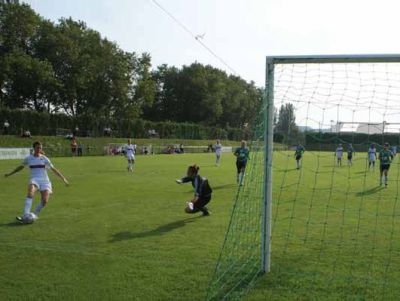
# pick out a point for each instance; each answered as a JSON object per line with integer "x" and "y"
{"x": 161, "y": 230}
{"x": 361, "y": 172}
{"x": 286, "y": 170}
{"x": 223, "y": 186}
{"x": 14, "y": 224}
{"x": 369, "y": 191}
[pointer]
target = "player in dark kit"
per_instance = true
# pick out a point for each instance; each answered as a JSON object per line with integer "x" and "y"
{"x": 350, "y": 153}
{"x": 385, "y": 158}
{"x": 202, "y": 191}
{"x": 242, "y": 155}
{"x": 298, "y": 154}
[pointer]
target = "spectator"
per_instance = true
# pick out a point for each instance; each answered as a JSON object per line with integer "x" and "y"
{"x": 6, "y": 125}
{"x": 107, "y": 131}
{"x": 152, "y": 133}
{"x": 80, "y": 149}
{"x": 26, "y": 134}
{"x": 74, "y": 146}
{"x": 181, "y": 149}
{"x": 75, "y": 131}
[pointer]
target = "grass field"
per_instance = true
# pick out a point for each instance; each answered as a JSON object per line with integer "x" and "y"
{"x": 113, "y": 235}
{"x": 116, "y": 236}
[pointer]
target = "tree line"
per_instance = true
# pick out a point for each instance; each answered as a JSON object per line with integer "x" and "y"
{"x": 68, "y": 68}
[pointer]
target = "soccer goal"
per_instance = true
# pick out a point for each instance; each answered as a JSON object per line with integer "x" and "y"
{"x": 318, "y": 215}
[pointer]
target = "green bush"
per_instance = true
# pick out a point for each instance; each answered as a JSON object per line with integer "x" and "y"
{"x": 47, "y": 124}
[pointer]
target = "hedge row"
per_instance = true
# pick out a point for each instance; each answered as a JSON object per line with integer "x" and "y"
{"x": 48, "y": 125}
{"x": 353, "y": 138}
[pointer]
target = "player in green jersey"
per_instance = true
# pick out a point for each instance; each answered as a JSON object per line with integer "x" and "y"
{"x": 385, "y": 158}
{"x": 242, "y": 155}
{"x": 298, "y": 154}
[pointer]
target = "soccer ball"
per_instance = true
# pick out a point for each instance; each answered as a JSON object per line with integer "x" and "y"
{"x": 29, "y": 218}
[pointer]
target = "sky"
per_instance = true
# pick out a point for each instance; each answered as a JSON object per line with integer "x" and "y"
{"x": 240, "y": 32}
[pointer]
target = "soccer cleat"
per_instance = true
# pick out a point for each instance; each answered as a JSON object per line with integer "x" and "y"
{"x": 20, "y": 219}
{"x": 205, "y": 212}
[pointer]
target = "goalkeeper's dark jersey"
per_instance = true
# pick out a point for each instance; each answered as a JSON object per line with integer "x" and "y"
{"x": 201, "y": 186}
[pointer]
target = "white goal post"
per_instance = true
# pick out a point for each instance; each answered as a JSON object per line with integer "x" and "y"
{"x": 271, "y": 63}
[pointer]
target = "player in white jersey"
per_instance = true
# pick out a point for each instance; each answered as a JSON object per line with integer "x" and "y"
{"x": 339, "y": 154}
{"x": 371, "y": 157}
{"x": 130, "y": 150}
{"x": 218, "y": 150}
{"x": 39, "y": 180}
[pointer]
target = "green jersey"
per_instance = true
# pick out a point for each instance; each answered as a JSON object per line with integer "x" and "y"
{"x": 385, "y": 156}
{"x": 299, "y": 151}
{"x": 242, "y": 154}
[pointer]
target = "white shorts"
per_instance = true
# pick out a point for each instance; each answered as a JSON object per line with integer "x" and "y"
{"x": 41, "y": 185}
{"x": 131, "y": 158}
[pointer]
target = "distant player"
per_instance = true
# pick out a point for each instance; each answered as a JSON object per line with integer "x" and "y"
{"x": 39, "y": 180}
{"x": 339, "y": 154}
{"x": 385, "y": 158}
{"x": 298, "y": 154}
{"x": 394, "y": 150}
{"x": 371, "y": 157}
{"x": 130, "y": 150}
{"x": 242, "y": 155}
{"x": 202, "y": 191}
{"x": 218, "y": 150}
{"x": 350, "y": 153}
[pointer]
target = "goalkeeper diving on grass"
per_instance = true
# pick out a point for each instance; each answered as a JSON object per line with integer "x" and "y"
{"x": 202, "y": 191}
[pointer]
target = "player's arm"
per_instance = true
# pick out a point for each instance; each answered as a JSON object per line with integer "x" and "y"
{"x": 18, "y": 169}
{"x": 183, "y": 180}
{"x": 58, "y": 174}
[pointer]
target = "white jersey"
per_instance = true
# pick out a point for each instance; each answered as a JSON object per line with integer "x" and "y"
{"x": 339, "y": 152}
{"x": 38, "y": 166}
{"x": 218, "y": 148}
{"x": 130, "y": 150}
{"x": 371, "y": 154}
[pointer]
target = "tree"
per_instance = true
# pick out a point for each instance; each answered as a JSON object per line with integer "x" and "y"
{"x": 286, "y": 124}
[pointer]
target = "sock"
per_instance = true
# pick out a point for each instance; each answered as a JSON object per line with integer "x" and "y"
{"x": 39, "y": 207}
{"x": 386, "y": 180}
{"x": 241, "y": 177}
{"x": 28, "y": 205}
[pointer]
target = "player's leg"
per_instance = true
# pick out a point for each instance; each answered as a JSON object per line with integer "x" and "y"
{"x": 241, "y": 174}
{"x": 132, "y": 164}
{"x": 381, "y": 174}
{"x": 131, "y": 161}
{"x": 386, "y": 175}
{"x": 238, "y": 169}
{"x": 217, "y": 159}
{"x": 45, "y": 194}
{"x": 32, "y": 188}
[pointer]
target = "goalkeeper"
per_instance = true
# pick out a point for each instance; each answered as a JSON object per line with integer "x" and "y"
{"x": 202, "y": 191}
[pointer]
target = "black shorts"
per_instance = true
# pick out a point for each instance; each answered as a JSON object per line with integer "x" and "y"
{"x": 201, "y": 202}
{"x": 240, "y": 165}
{"x": 298, "y": 158}
{"x": 349, "y": 157}
{"x": 385, "y": 167}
